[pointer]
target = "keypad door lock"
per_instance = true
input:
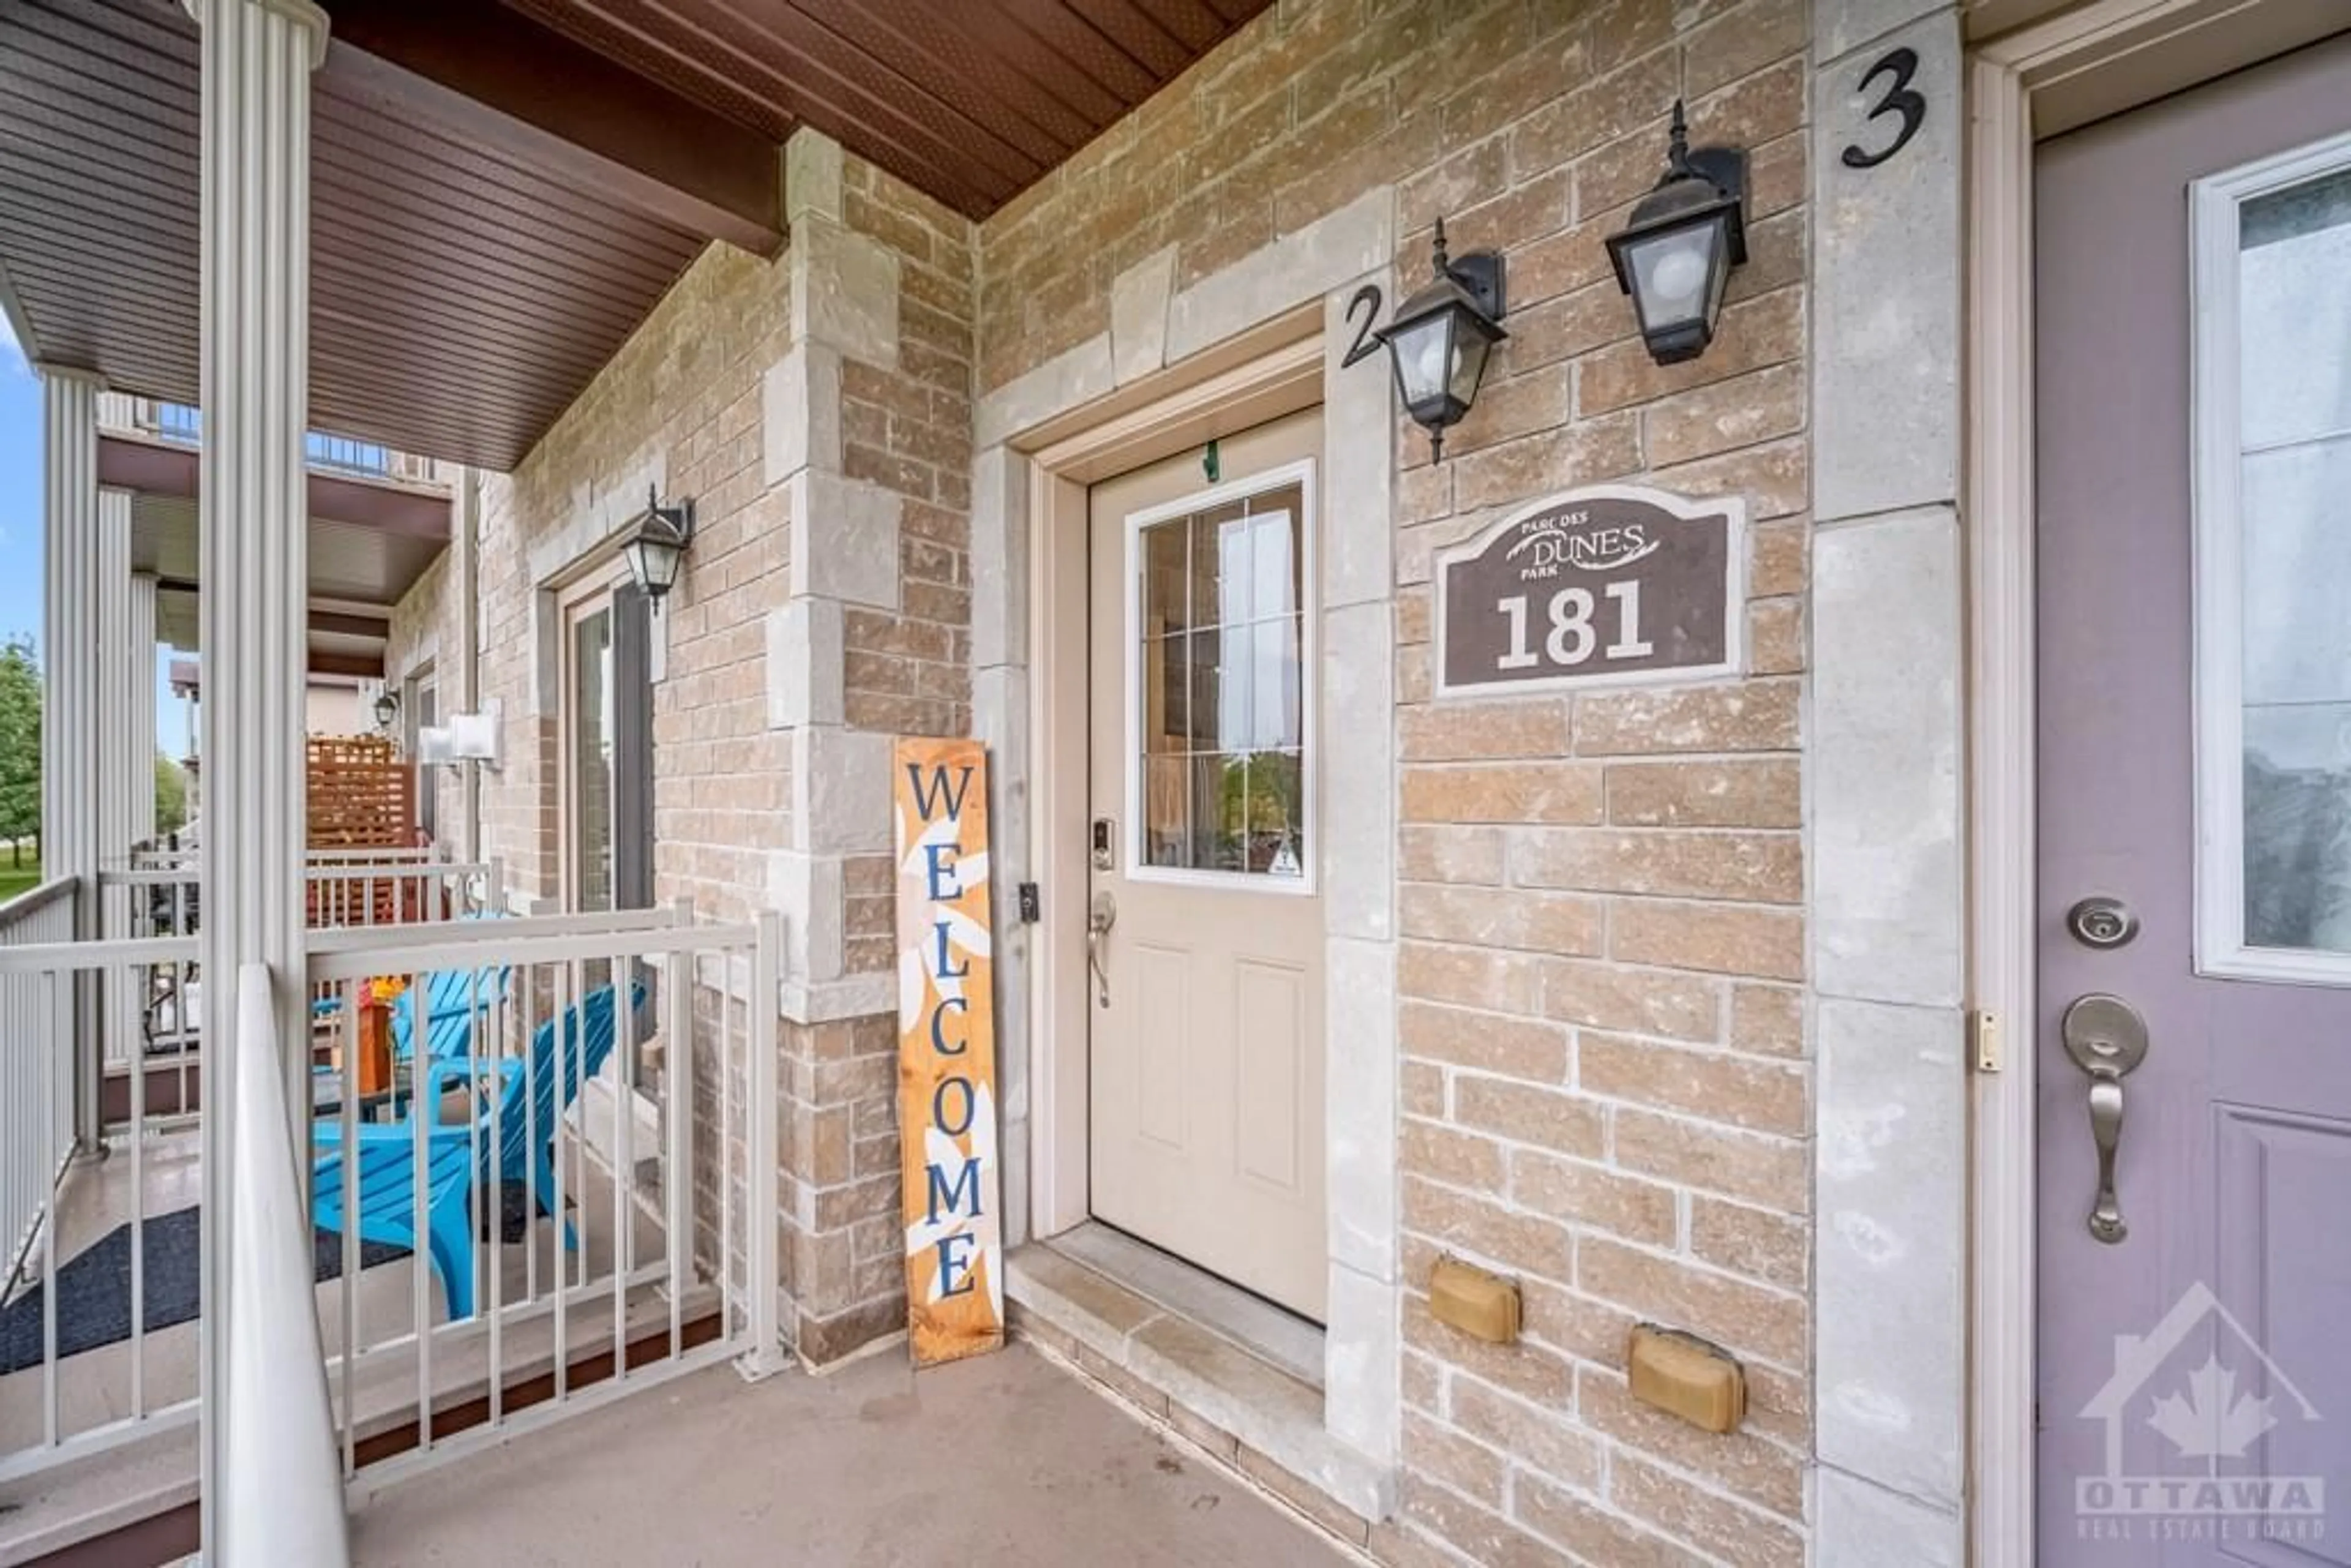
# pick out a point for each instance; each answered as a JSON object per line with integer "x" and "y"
{"x": 1104, "y": 834}
{"x": 2102, "y": 923}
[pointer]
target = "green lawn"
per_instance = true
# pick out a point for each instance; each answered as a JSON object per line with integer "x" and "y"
{"x": 14, "y": 879}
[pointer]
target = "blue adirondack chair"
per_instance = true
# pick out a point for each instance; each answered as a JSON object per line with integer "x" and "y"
{"x": 535, "y": 1090}
{"x": 453, "y": 999}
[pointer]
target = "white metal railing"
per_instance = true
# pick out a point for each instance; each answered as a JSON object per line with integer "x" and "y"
{"x": 659, "y": 1142}
{"x": 552, "y": 1126}
{"x": 345, "y": 887}
{"x": 392, "y": 892}
{"x": 152, "y": 1015}
{"x": 183, "y": 425}
{"x": 158, "y": 1018}
{"x": 37, "y": 1079}
{"x": 171, "y": 852}
{"x": 348, "y": 455}
{"x": 372, "y": 853}
{"x": 139, "y": 1096}
{"x": 280, "y": 1498}
{"x": 55, "y": 1404}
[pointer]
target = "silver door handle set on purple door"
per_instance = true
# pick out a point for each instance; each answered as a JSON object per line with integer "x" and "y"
{"x": 2107, "y": 1038}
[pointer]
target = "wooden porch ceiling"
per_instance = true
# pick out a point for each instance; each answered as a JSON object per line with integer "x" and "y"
{"x": 462, "y": 293}
{"x": 371, "y": 541}
{"x": 357, "y": 572}
{"x": 158, "y": 469}
{"x": 501, "y": 192}
{"x": 970, "y": 101}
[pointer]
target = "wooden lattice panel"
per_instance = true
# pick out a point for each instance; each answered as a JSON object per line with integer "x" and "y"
{"x": 361, "y": 795}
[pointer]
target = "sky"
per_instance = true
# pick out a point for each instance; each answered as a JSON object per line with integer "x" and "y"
{"x": 20, "y": 525}
{"x": 20, "y": 491}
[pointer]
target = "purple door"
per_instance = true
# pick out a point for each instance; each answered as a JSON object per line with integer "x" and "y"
{"x": 2194, "y": 322}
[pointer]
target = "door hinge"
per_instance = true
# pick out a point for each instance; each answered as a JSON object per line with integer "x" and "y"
{"x": 1983, "y": 1042}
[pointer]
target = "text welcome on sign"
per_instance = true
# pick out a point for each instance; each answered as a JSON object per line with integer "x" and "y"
{"x": 946, "y": 1050}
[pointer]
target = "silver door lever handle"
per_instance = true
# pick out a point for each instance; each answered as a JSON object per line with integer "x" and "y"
{"x": 2107, "y": 1038}
{"x": 1100, "y": 915}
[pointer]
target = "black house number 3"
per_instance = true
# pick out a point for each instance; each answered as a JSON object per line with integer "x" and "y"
{"x": 1901, "y": 65}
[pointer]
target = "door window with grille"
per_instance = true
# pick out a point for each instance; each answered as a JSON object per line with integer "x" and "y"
{"x": 1220, "y": 631}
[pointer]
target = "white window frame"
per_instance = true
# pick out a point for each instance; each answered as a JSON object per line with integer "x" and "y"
{"x": 1307, "y": 882}
{"x": 2221, "y": 950}
{"x": 590, "y": 596}
{"x": 420, "y": 681}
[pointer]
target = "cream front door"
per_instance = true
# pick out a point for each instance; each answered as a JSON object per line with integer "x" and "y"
{"x": 1206, "y": 995}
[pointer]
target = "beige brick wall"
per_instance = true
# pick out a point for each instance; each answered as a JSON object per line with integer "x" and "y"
{"x": 907, "y": 429}
{"x": 1606, "y": 1086}
{"x": 419, "y": 622}
{"x": 1605, "y": 1080}
{"x": 684, "y": 393}
{"x": 686, "y": 388}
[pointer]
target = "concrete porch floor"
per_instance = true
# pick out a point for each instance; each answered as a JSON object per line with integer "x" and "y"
{"x": 1005, "y": 1460}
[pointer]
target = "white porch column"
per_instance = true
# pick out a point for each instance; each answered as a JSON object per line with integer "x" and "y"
{"x": 69, "y": 704}
{"x": 126, "y": 653}
{"x": 69, "y": 756}
{"x": 143, "y": 713}
{"x": 256, "y": 60}
{"x": 117, "y": 779}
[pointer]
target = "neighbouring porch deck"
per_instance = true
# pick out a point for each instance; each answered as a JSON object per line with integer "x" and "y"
{"x": 1006, "y": 1459}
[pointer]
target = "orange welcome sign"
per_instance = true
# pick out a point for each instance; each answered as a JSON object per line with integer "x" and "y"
{"x": 946, "y": 1051}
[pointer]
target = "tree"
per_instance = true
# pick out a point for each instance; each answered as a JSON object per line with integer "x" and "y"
{"x": 171, "y": 796}
{"x": 20, "y": 745}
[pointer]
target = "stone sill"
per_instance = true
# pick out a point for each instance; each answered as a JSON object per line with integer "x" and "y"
{"x": 1243, "y": 1411}
{"x": 826, "y": 1001}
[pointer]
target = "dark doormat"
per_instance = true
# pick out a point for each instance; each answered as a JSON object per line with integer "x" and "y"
{"x": 94, "y": 1288}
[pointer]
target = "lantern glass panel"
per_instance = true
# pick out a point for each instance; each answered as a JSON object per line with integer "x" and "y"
{"x": 1424, "y": 357}
{"x": 654, "y": 562}
{"x": 1470, "y": 351}
{"x": 1679, "y": 274}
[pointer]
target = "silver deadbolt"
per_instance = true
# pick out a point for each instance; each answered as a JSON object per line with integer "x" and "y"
{"x": 2102, "y": 923}
{"x": 2107, "y": 1040}
{"x": 1104, "y": 834}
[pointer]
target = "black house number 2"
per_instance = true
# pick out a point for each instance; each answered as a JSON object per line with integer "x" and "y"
{"x": 1900, "y": 99}
{"x": 1368, "y": 297}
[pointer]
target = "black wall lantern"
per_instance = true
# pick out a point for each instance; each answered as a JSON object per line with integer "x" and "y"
{"x": 1675, "y": 254}
{"x": 656, "y": 548}
{"x": 387, "y": 709}
{"x": 1442, "y": 336}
